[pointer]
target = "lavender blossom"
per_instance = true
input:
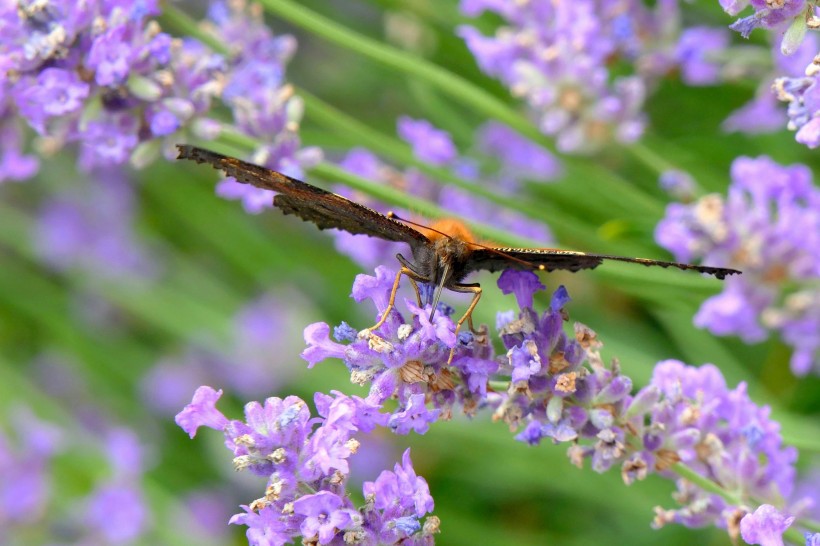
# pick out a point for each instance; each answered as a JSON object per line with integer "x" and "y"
{"x": 114, "y": 512}
{"x": 116, "y": 509}
{"x": 305, "y": 462}
{"x": 561, "y": 389}
{"x": 765, "y": 526}
{"x": 770, "y": 15}
{"x": 89, "y": 226}
{"x": 557, "y": 57}
{"x": 763, "y": 113}
{"x": 768, "y": 227}
{"x": 793, "y": 50}
{"x": 696, "y": 53}
{"x": 800, "y": 91}
{"x": 103, "y": 75}
{"x": 407, "y": 358}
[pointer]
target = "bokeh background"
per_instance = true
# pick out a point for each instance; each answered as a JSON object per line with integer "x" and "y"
{"x": 122, "y": 291}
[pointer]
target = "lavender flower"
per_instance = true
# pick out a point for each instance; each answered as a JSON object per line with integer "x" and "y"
{"x": 305, "y": 462}
{"x": 407, "y": 359}
{"x": 103, "y": 75}
{"x": 768, "y": 227}
{"x": 89, "y": 226}
{"x": 116, "y": 509}
{"x": 770, "y": 15}
{"x": 789, "y": 19}
{"x": 557, "y": 57}
{"x": 263, "y": 104}
{"x": 765, "y": 526}
{"x": 696, "y": 51}
{"x": 801, "y": 94}
{"x": 560, "y": 389}
{"x": 763, "y": 113}
{"x": 114, "y": 512}
{"x": 678, "y": 184}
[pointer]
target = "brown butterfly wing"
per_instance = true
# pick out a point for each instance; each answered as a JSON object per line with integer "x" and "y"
{"x": 323, "y": 208}
{"x": 532, "y": 258}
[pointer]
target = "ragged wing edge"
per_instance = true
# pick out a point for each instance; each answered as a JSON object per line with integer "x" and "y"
{"x": 323, "y": 208}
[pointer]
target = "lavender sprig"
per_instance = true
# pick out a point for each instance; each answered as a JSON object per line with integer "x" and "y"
{"x": 557, "y": 57}
{"x": 305, "y": 460}
{"x": 104, "y": 76}
{"x": 728, "y": 452}
{"x": 768, "y": 226}
{"x": 790, "y": 21}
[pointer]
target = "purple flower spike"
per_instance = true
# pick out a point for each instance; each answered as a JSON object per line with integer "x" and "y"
{"x": 558, "y": 58}
{"x": 696, "y": 50}
{"x": 765, "y": 526}
{"x": 202, "y": 412}
{"x": 429, "y": 144}
{"x": 266, "y": 526}
{"x": 768, "y": 226}
{"x": 103, "y": 75}
{"x": 524, "y": 284}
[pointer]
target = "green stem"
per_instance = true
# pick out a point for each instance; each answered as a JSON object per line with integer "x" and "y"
{"x": 183, "y": 25}
{"x": 399, "y": 152}
{"x": 649, "y": 158}
{"x": 704, "y": 483}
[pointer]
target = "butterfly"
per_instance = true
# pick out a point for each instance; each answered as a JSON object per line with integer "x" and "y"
{"x": 444, "y": 254}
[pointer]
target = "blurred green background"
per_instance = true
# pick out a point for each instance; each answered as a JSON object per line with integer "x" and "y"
{"x": 81, "y": 340}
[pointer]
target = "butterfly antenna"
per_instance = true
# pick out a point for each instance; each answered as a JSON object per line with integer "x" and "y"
{"x": 393, "y": 216}
{"x": 439, "y": 288}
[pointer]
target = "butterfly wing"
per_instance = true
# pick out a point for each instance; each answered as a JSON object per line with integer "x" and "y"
{"x": 323, "y": 208}
{"x": 495, "y": 259}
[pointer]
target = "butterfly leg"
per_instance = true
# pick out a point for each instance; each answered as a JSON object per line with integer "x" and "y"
{"x": 414, "y": 277}
{"x": 475, "y": 290}
{"x": 416, "y": 289}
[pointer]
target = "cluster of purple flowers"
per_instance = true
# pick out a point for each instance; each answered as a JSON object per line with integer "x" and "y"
{"x": 802, "y": 94}
{"x": 103, "y": 75}
{"x": 407, "y": 360}
{"x": 518, "y": 159}
{"x": 794, "y": 51}
{"x": 768, "y": 226}
{"x": 559, "y": 388}
{"x": 305, "y": 460}
{"x": 707, "y": 57}
{"x": 559, "y": 57}
{"x": 773, "y": 15}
